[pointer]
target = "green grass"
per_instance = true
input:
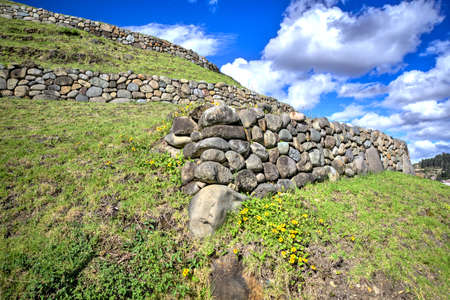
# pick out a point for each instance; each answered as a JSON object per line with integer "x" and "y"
{"x": 87, "y": 210}
{"x": 53, "y": 46}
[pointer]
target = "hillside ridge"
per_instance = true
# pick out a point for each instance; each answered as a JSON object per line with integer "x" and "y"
{"x": 109, "y": 31}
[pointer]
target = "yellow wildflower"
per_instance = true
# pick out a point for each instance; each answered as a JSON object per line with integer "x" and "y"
{"x": 283, "y": 229}
{"x": 245, "y": 218}
{"x": 235, "y": 251}
{"x": 313, "y": 267}
{"x": 280, "y": 239}
{"x": 274, "y": 230}
{"x": 283, "y": 253}
{"x": 258, "y": 218}
{"x": 292, "y": 236}
{"x": 293, "y": 249}
{"x": 321, "y": 221}
{"x": 295, "y": 222}
{"x": 305, "y": 215}
{"x": 130, "y": 139}
{"x": 353, "y": 238}
{"x": 305, "y": 260}
{"x": 266, "y": 214}
{"x": 185, "y": 272}
{"x": 133, "y": 149}
{"x": 244, "y": 211}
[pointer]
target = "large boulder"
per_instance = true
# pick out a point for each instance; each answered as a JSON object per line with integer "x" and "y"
{"x": 374, "y": 164}
{"x": 286, "y": 166}
{"x": 241, "y": 147}
{"x": 225, "y": 132}
{"x": 407, "y": 166}
{"x": 248, "y": 117}
{"x": 265, "y": 189}
{"x": 273, "y": 122}
{"x": 218, "y": 115}
{"x": 246, "y": 181}
{"x": 183, "y": 126}
{"x": 302, "y": 179}
{"x": 209, "y": 207}
{"x": 177, "y": 141}
{"x": 194, "y": 150}
{"x": 359, "y": 165}
{"x": 235, "y": 160}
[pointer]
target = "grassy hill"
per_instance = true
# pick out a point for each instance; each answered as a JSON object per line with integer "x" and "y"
{"x": 53, "y": 46}
{"x": 88, "y": 210}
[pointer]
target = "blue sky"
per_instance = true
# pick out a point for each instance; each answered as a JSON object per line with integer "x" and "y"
{"x": 376, "y": 64}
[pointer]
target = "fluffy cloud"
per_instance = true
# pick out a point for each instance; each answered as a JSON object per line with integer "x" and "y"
{"x": 426, "y": 148}
{"x": 314, "y": 36}
{"x": 437, "y": 47}
{"x": 362, "y": 90}
{"x": 188, "y": 36}
{"x": 415, "y": 85}
{"x": 350, "y": 112}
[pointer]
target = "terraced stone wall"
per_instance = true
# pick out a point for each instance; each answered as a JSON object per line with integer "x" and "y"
{"x": 258, "y": 152}
{"x": 79, "y": 85}
{"x": 112, "y": 32}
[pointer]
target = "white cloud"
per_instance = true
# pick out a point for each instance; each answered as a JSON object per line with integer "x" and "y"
{"x": 376, "y": 121}
{"x": 314, "y": 36}
{"x": 213, "y": 2}
{"x": 437, "y": 47}
{"x": 305, "y": 94}
{"x": 415, "y": 85}
{"x": 426, "y": 148}
{"x": 362, "y": 90}
{"x": 350, "y": 112}
{"x": 188, "y": 36}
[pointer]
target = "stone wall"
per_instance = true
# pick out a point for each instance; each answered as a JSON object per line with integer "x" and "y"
{"x": 79, "y": 85}
{"x": 108, "y": 31}
{"x": 257, "y": 152}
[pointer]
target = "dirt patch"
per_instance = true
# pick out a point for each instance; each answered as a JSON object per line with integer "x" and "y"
{"x": 329, "y": 281}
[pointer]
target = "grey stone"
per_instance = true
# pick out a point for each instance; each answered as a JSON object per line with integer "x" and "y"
{"x": 294, "y": 154}
{"x": 213, "y": 172}
{"x": 81, "y": 98}
{"x": 183, "y": 126}
{"x": 297, "y": 116}
{"x": 94, "y": 92}
{"x": 146, "y": 88}
{"x": 235, "y": 160}
{"x": 254, "y": 163}
{"x": 34, "y": 71}
{"x": 241, "y": 147}
{"x": 218, "y": 115}
{"x": 302, "y": 179}
{"x": 301, "y": 138}
{"x": 349, "y": 172}
{"x": 349, "y": 155}
{"x": 213, "y": 155}
{"x": 49, "y": 76}
{"x": 260, "y": 151}
{"x": 246, "y": 181}
{"x": 285, "y": 135}
{"x": 320, "y": 123}
{"x": 286, "y": 185}
{"x": 308, "y": 146}
{"x": 260, "y": 178}
{"x": 192, "y": 188}
{"x": 359, "y": 165}
{"x": 270, "y": 139}
{"x": 63, "y": 80}
{"x": 286, "y": 166}
{"x": 283, "y": 147}
{"x": 21, "y": 91}
{"x": 270, "y": 171}
{"x": 18, "y": 73}
{"x": 367, "y": 144}
{"x": 407, "y": 166}
{"x": 303, "y": 128}
{"x": 314, "y": 135}
{"x": 339, "y": 164}
{"x": 224, "y": 131}
{"x": 121, "y": 100}
{"x": 273, "y": 155}
{"x": 98, "y": 82}
{"x": 285, "y": 119}
{"x": 38, "y": 87}
{"x": 333, "y": 175}
{"x": 304, "y": 165}
{"x": 329, "y": 142}
{"x": 132, "y": 87}
{"x": 320, "y": 174}
{"x": 209, "y": 207}
{"x": 187, "y": 172}
{"x": 177, "y": 141}
{"x": 123, "y": 94}
{"x": 194, "y": 150}
{"x": 248, "y": 117}
{"x": 196, "y": 136}
{"x": 316, "y": 157}
{"x": 2, "y": 84}
{"x": 273, "y": 122}
{"x": 265, "y": 189}
{"x": 257, "y": 134}
{"x": 374, "y": 164}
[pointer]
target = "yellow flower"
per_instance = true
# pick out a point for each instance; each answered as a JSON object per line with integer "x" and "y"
{"x": 321, "y": 221}
{"x": 305, "y": 215}
{"x": 108, "y": 162}
{"x": 283, "y": 229}
{"x": 169, "y": 164}
{"x": 133, "y": 149}
{"x": 266, "y": 214}
{"x": 295, "y": 222}
{"x": 292, "y": 236}
{"x": 305, "y": 260}
{"x": 313, "y": 267}
{"x": 235, "y": 251}
{"x": 130, "y": 139}
{"x": 239, "y": 222}
{"x": 258, "y": 218}
{"x": 151, "y": 162}
{"x": 245, "y": 218}
{"x": 283, "y": 253}
{"x": 244, "y": 211}
{"x": 266, "y": 206}
{"x": 274, "y": 230}
{"x": 353, "y": 238}
{"x": 280, "y": 239}
{"x": 293, "y": 249}
{"x": 185, "y": 272}
{"x": 292, "y": 261}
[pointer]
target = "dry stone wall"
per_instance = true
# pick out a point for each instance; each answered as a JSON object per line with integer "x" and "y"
{"x": 256, "y": 152}
{"x": 79, "y": 85}
{"x": 112, "y": 32}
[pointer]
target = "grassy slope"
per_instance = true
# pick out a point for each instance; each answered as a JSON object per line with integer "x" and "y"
{"x": 54, "y": 46}
{"x": 87, "y": 210}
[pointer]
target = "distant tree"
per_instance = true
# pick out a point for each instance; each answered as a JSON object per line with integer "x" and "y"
{"x": 439, "y": 161}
